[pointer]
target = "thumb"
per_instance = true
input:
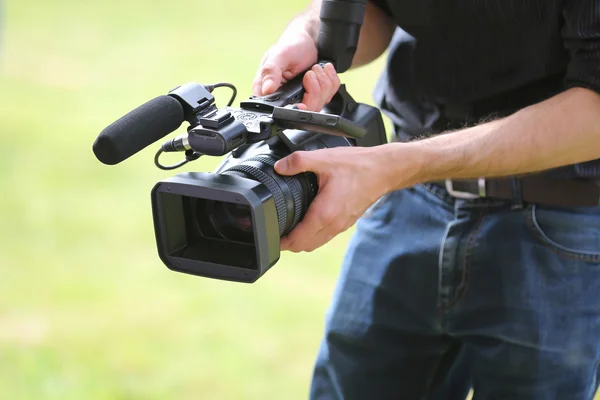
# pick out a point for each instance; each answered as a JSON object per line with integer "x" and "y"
{"x": 295, "y": 163}
{"x": 272, "y": 76}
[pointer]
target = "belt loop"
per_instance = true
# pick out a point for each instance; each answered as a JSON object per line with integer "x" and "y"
{"x": 517, "y": 194}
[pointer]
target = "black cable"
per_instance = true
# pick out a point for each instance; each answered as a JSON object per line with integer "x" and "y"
{"x": 167, "y": 167}
{"x": 190, "y": 155}
{"x": 224, "y": 84}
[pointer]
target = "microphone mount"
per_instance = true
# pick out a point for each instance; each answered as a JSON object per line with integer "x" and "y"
{"x": 217, "y": 132}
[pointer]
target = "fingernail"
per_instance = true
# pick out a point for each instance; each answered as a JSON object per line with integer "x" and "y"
{"x": 281, "y": 165}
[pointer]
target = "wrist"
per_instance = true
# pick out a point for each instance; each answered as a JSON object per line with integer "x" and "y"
{"x": 311, "y": 24}
{"x": 455, "y": 155}
{"x": 305, "y": 25}
{"x": 404, "y": 164}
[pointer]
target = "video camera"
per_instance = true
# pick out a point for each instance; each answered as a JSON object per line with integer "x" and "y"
{"x": 227, "y": 224}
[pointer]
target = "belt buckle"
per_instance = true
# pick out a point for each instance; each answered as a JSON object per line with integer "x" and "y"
{"x": 466, "y": 195}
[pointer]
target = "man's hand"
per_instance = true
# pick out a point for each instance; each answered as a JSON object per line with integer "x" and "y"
{"x": 292, "y": 55}
{"x": 350, "y": 180}
{"x": 296, "y": 52}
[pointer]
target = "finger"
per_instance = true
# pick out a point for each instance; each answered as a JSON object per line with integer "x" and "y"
{"x": 289, "y": 75}
{"x": 256, "y": 89}
{"x": 335, "y": 79}
{"x": 318, "y": 240}
{"x": 280, "y": 67}
{"x": 333, "y": 222}
{"x": 257, "y": 84}
{"x": 271, "y": 76}
{"x": 257, "y": 81}
{"x": 296, "y": 163}
{"x": 325, "y": 83}
{"x": 285, "y": 243}
{"x": 300, "y": 239}
{"x": 320, "y": 224}
{"x": 312, "y": 91}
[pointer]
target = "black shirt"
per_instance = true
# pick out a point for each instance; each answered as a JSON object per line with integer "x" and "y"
{"x": 457, "y": 62}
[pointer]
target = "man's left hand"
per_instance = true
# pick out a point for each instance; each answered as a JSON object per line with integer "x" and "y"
{"x": 350, "y": 180}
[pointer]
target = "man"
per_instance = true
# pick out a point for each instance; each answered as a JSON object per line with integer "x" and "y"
{"x": 479, "y": 266}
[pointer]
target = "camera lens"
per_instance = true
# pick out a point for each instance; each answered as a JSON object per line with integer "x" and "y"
{"x": 231, "y": 221}
{"x": 292, "y": 194}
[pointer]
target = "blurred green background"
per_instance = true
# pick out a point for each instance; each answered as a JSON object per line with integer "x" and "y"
{"x": 87, "y": 309}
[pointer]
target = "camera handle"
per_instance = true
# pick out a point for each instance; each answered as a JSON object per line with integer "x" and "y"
{"x": 284, "y": 116}
{"x": 290, "y": 92}
{"x": 331, "y": 124}
{"x": 217, "y": 132}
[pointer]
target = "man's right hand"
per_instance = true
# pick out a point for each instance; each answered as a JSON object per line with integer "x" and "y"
{"x": 293, "y": 54}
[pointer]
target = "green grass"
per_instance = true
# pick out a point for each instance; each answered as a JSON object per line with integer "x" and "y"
{"x": 87, "y": 310}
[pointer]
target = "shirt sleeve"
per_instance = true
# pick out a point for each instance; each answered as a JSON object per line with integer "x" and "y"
{"x": 581, "y": 37}
{"x": 383, "y": 5}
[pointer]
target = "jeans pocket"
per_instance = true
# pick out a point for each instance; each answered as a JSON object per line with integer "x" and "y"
{"x": 569, "y": 232}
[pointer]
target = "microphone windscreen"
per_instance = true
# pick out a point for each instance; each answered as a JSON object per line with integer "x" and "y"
{"x": 138, "y": 129}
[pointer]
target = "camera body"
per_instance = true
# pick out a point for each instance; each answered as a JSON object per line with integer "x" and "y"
{"x": 227, "y": 224}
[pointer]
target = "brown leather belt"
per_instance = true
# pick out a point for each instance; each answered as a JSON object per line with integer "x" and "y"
{"x": 536, "y": 189}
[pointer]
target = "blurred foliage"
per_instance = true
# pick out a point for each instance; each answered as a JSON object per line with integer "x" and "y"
{"x": 87, "y": 310}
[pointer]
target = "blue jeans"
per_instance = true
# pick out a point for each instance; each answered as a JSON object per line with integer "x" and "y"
{"x": 437, "y": 296}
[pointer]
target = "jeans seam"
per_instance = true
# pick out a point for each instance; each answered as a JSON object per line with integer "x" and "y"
{"x": 441, "y": 301}
{"x": 546, "y": 242}
{"x": 464, "y": 284}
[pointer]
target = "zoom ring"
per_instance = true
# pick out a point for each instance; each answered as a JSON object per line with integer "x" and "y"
{"x": 273, "y": 187}
{"x": 292, "y": 183}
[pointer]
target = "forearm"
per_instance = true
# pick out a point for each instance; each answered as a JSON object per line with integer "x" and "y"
{"x": 375, "y": 35}
{"x": 562, "y": 130}
{"x": 306, "y": 22}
